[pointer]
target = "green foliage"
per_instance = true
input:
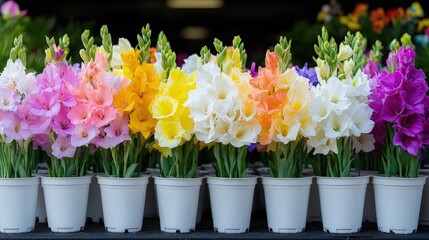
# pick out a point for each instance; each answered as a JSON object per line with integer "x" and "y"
{"x": 376, "y": 53}
{"x": 205, "y": 54}
{"x": 18, "y": 50}
{"x": 288, "y": 160}
{"x": 75, "y": 166}
{"x": 282, "y": 49}
{"x": 15, "y": 159}
{"x": 168, "y": 56}
{"x": 230, "y": 161}
{"x": 125, "y": 159}
{"x": 144, "y": 43}
{"x": 183, "y": 161}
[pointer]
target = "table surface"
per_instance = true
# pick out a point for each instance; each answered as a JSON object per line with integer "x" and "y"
{"x": 204, "y": 230}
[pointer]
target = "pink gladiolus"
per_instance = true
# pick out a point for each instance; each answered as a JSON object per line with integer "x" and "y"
{"x": 49, "y": 80}
{"x": 66, "y": 98}
{"x": 62, "y": 148}
{"x": 115, "y": 133}
{"x": 61, "y": 124}
{"x": 102, "y": 96}
{"x": 80, "y": 114}
{"x": 44, "y": 104}
{"x": 36, "y": 124}
{"x": 102, "y": 116}
{"x": 42, "y": 140}
{"x": 82, "y": 135}
{"x": 11, "y": 8}
{"x": 13, "y": 127}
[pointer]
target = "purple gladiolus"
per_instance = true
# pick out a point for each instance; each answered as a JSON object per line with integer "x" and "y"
{"x": 399, "y": 97}
{"x": 411, "y": 125}
{"x": 253, "y": 71}
{"x": 392, "y": 108}
{"x": 309, "y": 73}
{"x": 404, "y": 57}
{"x": 407, "y": 143}
{"x": 371, "y": 69}
{"x": 391, "y": 83}
{"x": 251, "y": 147}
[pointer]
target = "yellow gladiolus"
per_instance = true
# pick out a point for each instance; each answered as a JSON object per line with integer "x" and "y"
{"x": 163, "y": 107}
{"x": 141, "y": 121}
{"x": 124, "y": 101}
{"x": 169, "y": 133}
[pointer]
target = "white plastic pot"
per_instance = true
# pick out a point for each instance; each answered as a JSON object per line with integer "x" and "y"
{"x": 177, "y": 203}
{"x": 287, "y": 203}
{"x": 231, "y": 203}
{"x": 123, "y": 201}
{"x": 66, "y": 200}
{"x": 341, "y": 203}
{"x": 397, "y": 203}
{"x": 18, "y": 201}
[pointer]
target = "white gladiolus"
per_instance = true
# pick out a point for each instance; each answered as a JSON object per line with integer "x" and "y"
{"x": 364, "y": 142}
{"x": 358, "y": 85}
{"x": 26, "y": 85}
{"x": 192, "y": 63}
{"x": 123, "y": 46}
{"x": 319, "y": 109}
{"x": 348, "y": 67}
{"x": 345, "y": 52}
{"x": 337, "y": 126}
{"x": 206, "y": 75}
{"x": 204, "y": 130}
{"x": 287, "y": 132}
{"x": 322, "y": 69}
{"x": 244, "y": 133}
{"x": 218, "y": 112}
{"x": 360, "y": 115}
{"x": 8, "y": 99}
{"x": 335, "y": 90}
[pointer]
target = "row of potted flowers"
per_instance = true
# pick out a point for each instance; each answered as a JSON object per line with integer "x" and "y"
{"x": 124, "y": 103}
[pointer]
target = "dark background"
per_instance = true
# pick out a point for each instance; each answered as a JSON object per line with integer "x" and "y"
{"x": 259, "y": 23}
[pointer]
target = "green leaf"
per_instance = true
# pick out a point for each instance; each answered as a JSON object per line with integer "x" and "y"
{"x": 130, "y": 171}
{"x": 22, "y": 172}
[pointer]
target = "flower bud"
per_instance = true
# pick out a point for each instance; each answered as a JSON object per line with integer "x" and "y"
{"x": 345, "y": 52}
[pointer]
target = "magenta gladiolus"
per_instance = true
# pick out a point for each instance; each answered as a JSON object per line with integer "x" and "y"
{"x": 371, "y": 69}
{"x": 399, "y": 101}
{"x": 391, "y": 83}
{"x": 411, "y": 125}
{"x": 407, "y": 143}
{"x": 404, "y": 57}
{"x": 392, "y": 108}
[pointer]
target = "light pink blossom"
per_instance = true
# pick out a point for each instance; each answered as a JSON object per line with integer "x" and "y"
{"x": 62, "y": 148}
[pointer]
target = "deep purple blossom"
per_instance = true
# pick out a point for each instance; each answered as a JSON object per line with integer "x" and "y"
{"x": 407, "y": 143}
{"x": 251, "y": 147}
{"x": 253, "y": 71}
{"x": 404, "y": 57}
{"x": 392, "y": 108}
{"x": 309, "y": 73}
{"x": 411, "y": 125}
{"x": 398, "y": 98}
{"x": 371, "y": 69}
{"x": 391, "y": 83}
